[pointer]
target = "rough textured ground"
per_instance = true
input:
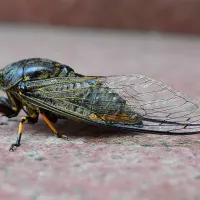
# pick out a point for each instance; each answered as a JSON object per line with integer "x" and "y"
{"x": 98, "y": 163}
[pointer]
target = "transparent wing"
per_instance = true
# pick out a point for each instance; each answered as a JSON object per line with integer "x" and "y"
{"x": 163, "y": 109}
{"x": 129, "y": 101}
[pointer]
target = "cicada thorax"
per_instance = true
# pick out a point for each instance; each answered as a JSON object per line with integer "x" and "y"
{"x": 32, "y": 69}
{"x": 39, "y": 69}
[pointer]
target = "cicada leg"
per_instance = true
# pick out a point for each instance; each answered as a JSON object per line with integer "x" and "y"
{"x": 24, "y": 120}
{"x": 52, "y": 127}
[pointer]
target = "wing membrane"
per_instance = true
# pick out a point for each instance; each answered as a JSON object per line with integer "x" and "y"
{"x": 128, "y": 101}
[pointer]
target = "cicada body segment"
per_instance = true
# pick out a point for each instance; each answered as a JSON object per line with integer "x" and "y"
{"x": 32, "y": 69}
{"x": 39, "y": 69}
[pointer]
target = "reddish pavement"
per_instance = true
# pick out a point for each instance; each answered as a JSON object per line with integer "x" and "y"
{"x": 98, "y": 163}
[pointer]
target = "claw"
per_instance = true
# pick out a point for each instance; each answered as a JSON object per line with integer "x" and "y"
{"x": 12, "y": 147}
{"x": 65, "y": 137}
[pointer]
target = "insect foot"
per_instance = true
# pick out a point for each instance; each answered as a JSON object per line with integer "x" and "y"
{"x": 12, "y": 147}
{"x": 65, "y": 137}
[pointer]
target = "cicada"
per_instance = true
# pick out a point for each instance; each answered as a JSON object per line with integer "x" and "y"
{"x": 55, "y": 91}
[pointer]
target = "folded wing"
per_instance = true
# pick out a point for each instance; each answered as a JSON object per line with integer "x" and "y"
{"x": 129, "y": 101}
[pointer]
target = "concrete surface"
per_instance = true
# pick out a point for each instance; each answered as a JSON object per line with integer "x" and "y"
{"x": 98, "y": 163}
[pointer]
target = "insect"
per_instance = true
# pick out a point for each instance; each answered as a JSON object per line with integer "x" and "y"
{"x": 56, "y": 91}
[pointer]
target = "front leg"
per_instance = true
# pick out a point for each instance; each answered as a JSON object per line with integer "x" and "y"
{"x": 24, "y": 120}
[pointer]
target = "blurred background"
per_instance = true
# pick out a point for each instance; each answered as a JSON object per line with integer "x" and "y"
{"x": 157, "y": 15}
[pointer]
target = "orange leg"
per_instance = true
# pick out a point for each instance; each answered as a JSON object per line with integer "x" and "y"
{"x": 52, "y": 127}
{"x": 24, "y": 120}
